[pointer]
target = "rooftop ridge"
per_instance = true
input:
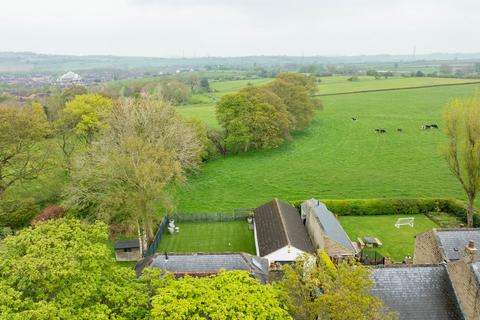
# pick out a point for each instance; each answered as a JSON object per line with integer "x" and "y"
{"x": 281, "y": 220}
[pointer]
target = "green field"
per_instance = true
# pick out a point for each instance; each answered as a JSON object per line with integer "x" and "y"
{"x": 397, "y": 243}
{"x": 340, "y": 84}
{"x": 339, "y": 158}
{"x": 209, "y": 237}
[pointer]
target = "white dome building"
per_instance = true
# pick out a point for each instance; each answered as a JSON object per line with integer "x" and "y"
{"x": 69, "y": 78}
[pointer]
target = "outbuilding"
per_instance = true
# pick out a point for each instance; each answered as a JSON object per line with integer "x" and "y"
{"x": 280, "y": 235}
{"x": 127, "y": 250}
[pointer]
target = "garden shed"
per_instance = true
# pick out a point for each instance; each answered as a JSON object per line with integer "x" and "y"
{"x": 127, "y": 250}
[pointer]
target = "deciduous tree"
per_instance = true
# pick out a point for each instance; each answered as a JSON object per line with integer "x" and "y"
{"x": 22, "y": 136}
{"x": 230, "y": 295}
{"x": 315, "y": 288}
{"x": 62, "y": 269}
{"x": 126, "y": 175}
{"x": 462, "y": 125}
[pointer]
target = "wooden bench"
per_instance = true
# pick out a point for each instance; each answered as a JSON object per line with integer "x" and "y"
{"x": 360, "y": 243}
{"x": 379, "y": 243}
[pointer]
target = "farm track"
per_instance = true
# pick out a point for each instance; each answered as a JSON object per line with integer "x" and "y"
{"x": 396, "y": 89}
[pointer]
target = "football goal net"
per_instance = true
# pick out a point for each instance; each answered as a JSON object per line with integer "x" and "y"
{"x": 404, "y": 222}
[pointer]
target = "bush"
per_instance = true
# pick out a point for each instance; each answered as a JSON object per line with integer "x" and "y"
{"x": 391, "y": 206}
{"x": 51, "y": 212}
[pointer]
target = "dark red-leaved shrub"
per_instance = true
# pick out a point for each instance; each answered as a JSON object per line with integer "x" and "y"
{"x": 51, "y": 212}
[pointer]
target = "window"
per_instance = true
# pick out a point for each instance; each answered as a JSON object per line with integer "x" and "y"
{"x": 127, "y": 250}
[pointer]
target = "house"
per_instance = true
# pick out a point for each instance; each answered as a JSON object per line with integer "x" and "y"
{"x": 465, "y": 276}
{"x": 417, "y": 292}
{"x": 280, "y": 235}
{"x": 127, "y": 250}
{"x": 443, "y": 245}
{"x": 200, "y": 264}
{"x": 325, "y": 230}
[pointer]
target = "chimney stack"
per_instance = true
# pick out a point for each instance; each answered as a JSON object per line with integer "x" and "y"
{"x": 470, "y": 252}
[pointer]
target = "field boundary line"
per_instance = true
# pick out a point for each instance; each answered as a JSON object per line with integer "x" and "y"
{"x": 396, "y": 89}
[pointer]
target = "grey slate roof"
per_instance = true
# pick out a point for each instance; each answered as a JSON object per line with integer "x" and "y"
{"x": 422, "y": 292}
{"x": 278, "y": 224}
{"x": 476, "y": 270}
{"x": 333, "y": 229}
{"x": 124, "y": 244}
{"x": 204, "y": 264}
{"x": 454, "y": 241}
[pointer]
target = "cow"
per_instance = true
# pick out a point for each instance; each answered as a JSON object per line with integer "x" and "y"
{"x": 354, "y": 119}
{"x": 382, "y": 130}
{"x": 425, "y": 127}
{"x": 434, "y": 126}
{"x": 399, "y": 129}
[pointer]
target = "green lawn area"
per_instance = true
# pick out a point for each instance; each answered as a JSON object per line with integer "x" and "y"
{"x": 397, "y": 243}
{"x": 337, "y": 158}
{"x": 209, "y": 237}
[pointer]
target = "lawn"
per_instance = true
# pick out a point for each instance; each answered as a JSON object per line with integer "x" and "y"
{"x": 397, "y": 243}
{"x": 337, "y": 158}
{"x": 209, "y": 237}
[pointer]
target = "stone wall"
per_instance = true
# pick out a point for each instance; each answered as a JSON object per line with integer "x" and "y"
{"x": 427, "y": 250}
{"x": 466, "y": 287}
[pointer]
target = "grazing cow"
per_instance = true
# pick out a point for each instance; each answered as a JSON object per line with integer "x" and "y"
{"x": 382, "y": 130}
{"x": 399, "y": 129}
{"x": 354, "y": 119}
{"x": 377, "y": 130}
{"x": 434, "y": 126}
{"x": 425, "y": 127}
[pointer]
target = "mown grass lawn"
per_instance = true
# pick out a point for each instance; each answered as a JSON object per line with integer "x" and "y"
{"x": 337, "y": 158}
{"x": 397, "y": 243}
{"x": 209, "y": 237}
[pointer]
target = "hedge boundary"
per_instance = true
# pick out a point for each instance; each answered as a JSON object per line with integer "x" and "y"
{"x": 391, "y": 206}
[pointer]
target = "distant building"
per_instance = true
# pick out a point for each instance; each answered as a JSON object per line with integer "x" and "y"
{"x": 127, "y": 250}
{"x": 205, "y": 264}
{"x": 280, "y": 235}
{"x": 69, "y": 78}
{"x": 326, "y": 232}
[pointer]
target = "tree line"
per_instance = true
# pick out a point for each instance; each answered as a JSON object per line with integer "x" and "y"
{"x": 263, "y": 117}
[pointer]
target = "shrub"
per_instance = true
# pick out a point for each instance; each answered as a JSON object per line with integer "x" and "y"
{"x": 51, "y": 212}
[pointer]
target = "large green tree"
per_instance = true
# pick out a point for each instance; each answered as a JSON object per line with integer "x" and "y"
{"x": 315, "y": 288}
{"x": 254, "y": 118}
{"x": 22, "y": 142}
{"x": 462, "y": 125}
{"x": 62, "y": 269}
{"x": 230, "y": 295}
{"x": 296, "y": 91}
{"x": 128, "y": 173}
{"x": 86, "y": 115}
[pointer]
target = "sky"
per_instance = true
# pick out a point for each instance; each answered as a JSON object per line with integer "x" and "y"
{"x": 198, "y": 28}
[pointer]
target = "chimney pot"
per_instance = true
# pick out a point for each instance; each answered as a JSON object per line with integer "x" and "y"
{"x": 470, "y": 252}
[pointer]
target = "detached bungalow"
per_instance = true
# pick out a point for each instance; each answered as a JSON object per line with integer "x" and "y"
{"x": 326, "y": 231}
{"x": 280, "y": 235}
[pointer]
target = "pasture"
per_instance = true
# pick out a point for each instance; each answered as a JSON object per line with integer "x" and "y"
{"x": 397, "y": 243}
{"x": 337, "y": 157}
{"x": 231, "y": 236}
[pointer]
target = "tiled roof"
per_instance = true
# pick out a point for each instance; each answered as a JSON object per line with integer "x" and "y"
{"x": 421, "y": 292}
{"x": 124, "y": 244}
{"x": 454, "y": 241}
{"x": 210, "y": 263}
{"x": 278, "y": 224}
{"x": 333, "y": 229}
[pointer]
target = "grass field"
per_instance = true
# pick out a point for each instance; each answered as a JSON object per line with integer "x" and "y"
{"x": 339, "y": 84}
{"x": 339, "y": 158}
{"x": 397, "y": 243}
{"x": 209, "y": 237}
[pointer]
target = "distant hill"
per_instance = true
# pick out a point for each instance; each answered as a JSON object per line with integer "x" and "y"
{"x": 33, "y": 62}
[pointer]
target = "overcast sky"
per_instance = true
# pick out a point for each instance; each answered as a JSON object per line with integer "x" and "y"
{"x": 173, "y": 28}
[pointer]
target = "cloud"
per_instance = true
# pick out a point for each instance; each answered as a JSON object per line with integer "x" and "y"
{"x": 242, "y": 27}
